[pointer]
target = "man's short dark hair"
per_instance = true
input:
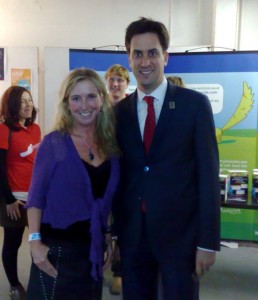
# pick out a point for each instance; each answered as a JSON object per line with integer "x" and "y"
{"x": 144, "y": 25}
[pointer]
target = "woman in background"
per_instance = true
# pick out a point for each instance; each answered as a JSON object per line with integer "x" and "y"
{"x": 75, "y": 177}
{"x": 19, "y": 138}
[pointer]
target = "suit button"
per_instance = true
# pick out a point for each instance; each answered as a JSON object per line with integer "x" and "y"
{"x": 146, "y": 169}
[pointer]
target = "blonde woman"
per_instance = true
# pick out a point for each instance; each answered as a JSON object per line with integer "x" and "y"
{"x": 75, "y": 177}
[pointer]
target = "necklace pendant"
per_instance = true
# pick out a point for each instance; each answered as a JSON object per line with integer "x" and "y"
{"x": 90, "y": 155}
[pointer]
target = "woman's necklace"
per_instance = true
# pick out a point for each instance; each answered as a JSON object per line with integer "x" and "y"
{"x": 90, "y": 154}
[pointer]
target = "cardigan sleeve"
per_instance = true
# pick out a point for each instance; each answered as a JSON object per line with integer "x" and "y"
{"x": 44, "y": 166}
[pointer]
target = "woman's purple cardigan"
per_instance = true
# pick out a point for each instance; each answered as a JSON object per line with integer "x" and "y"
{"x": 61, "y": 187}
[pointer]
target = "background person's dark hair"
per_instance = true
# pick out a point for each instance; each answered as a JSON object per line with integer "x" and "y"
{"x": 11, "y": 105}
{"x": 145, "y": 25}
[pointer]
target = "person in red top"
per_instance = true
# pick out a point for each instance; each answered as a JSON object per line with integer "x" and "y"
{"x": 19, "y": 138}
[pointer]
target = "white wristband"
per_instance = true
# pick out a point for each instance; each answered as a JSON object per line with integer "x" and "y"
{"x": 34, "y": 236}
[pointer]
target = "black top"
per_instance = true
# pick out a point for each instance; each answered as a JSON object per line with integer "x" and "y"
{"x": 99, "y": 177}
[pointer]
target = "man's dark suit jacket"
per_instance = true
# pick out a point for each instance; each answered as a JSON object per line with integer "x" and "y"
{"x": 178, "y": 179}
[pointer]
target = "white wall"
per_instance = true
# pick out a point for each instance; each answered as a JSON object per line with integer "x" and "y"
{"x": 192, "y": 22}
{"x": 77, "y": 23}
{"x": 94, "y": 23}
{"x": 248, "y": 27}
{"x": 226, "y": 32}
{"x": 56, "y": 66}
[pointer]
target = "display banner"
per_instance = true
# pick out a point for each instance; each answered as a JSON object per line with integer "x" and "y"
{"x": 255, "y": 229}
{"x": 239, "y": 224}
{"x": 230, "y": 80}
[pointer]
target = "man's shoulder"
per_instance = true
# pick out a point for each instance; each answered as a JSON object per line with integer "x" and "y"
{"x": 186, "y": 95}
{"x": 127, "y": 99}
{"x": 125, "y": 103}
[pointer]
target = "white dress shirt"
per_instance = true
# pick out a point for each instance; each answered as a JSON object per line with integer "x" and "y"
{"x": 159, "y": 96}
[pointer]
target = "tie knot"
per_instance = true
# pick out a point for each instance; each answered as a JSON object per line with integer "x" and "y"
{"x": 149, "y": 100}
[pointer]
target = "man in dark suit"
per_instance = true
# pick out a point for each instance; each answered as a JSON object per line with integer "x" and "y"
{"x": 168, "y": 210}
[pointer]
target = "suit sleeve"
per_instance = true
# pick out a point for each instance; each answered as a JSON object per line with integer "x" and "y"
{"x": 208, "y": 178}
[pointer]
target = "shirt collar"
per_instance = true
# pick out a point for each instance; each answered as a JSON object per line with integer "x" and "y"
{"x": 158, "y": 94}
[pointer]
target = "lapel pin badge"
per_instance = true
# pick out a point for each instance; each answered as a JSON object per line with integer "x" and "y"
{"x": 171, "y": 105}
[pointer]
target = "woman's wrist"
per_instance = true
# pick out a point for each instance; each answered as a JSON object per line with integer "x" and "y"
{"x": 35, "y": 236}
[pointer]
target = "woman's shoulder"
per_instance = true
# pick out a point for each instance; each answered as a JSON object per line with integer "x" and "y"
{"x": 35, "y": 125}
{"x": 56, "y": 135}
{"x": 52, "y": 137}
{"x": 3, "y": 128}
{"x": 57, "y": 141}
{"x": 35, "y": 129}
{"x": 4, "y": 131}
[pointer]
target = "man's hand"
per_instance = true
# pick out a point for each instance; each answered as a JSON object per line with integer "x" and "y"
{"x": 204, "y": 260}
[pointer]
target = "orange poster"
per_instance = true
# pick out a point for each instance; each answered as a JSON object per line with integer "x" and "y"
{"x": 21, "y": 77}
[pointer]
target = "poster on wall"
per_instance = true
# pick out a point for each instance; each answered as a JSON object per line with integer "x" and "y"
{"x": 21, "y": 77}
{"x": 1, "y": 63}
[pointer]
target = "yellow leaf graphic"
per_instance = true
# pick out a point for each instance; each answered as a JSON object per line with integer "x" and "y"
{"x": 244, "y": 106}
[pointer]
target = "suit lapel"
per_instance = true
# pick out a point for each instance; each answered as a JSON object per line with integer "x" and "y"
{"x": 135, "y": 121}
{"x": 168, "y": 109}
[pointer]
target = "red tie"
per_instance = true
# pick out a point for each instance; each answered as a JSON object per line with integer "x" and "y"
{"x": 149, "y": 129}
{"x": 150, "y": 123}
